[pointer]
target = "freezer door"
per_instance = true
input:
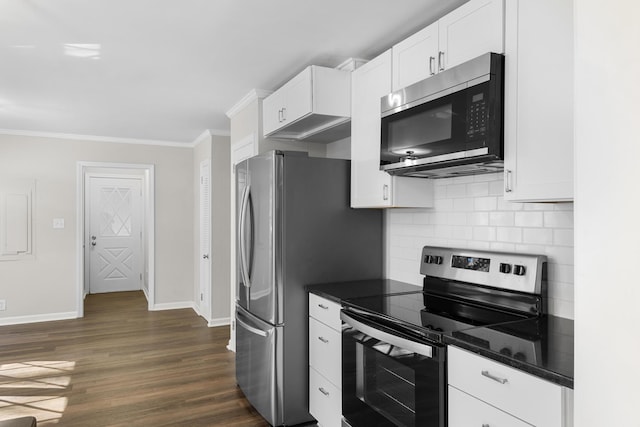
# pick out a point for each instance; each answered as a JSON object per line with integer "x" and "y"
{"x": 259, "y": 235}
{"x": 256, "y": 347}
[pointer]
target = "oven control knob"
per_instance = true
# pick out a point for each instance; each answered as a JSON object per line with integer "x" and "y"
{"x": 428, "y": 259}
{"x": 505, "y": 268}
{"x": 519, "y": 270}
{"x": 437, "y": 260}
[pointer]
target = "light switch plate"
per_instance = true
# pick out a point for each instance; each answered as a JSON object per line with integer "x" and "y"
{"x": 58, "y": 223}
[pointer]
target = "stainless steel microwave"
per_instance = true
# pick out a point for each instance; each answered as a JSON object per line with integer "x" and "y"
{"x": 450, "y": 124}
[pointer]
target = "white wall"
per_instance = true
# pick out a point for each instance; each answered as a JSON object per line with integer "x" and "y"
{"x": 607, "y": 327}
{"x": 46, "y": 286}
{"x": 470, "y": 212}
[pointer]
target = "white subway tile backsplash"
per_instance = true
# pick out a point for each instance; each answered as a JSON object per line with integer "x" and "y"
{"x": 528, "y": 219}
{"x": 486, "y": 203}
{"x": 478, "y": 189}
{"x": 456, "y": 190}
{"x": 563, "y": 236}
{"x": 509, "y": 234}
{"x": 537, "y": 236}
{"x": 478, "y": 218}
{"x": 505, "y": 219}
{"x": 463, "y": 205}
{"x": 471, "y": 212}
{"x": 558, "y": 219}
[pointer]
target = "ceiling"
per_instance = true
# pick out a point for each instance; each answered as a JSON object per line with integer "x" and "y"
{"x": 168, "y": 70}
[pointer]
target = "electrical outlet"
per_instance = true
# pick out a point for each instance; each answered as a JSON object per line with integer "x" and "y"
{"x": 3, "y": 305}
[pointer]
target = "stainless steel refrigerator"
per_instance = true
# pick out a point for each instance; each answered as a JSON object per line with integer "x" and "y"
{"x": 295, "y": 228}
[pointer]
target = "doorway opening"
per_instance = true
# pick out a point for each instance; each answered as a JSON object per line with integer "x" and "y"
{"x": 115, "y": 235}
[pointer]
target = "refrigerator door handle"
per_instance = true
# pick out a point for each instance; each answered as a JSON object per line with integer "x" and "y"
{"x": 243, "y": 251}
{"x": 252, "y": 329}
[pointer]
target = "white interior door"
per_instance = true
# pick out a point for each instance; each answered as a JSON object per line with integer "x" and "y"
{"x": 115, "y": 234}
{"x": 205, "y": 238}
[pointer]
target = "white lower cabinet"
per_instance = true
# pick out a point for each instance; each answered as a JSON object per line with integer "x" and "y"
{"x": 466, "y": 410}
{"x": 491, "y": 389}
{"x": 325, "y": 361}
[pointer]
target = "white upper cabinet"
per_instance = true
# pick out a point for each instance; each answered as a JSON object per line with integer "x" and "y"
{"x": 415, "y": 58}
{"x": 314, "y": 101}
{"x": 539, "y": 100}
{"x": 469, "y": 31}
{"x": 474, "y": 28}
{"x": 371, "y": 187}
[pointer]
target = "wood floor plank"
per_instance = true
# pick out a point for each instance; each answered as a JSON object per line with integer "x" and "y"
{"x": 122, "y": 365}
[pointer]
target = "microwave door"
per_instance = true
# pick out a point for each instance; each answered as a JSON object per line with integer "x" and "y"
{"x": 435, "y": 128}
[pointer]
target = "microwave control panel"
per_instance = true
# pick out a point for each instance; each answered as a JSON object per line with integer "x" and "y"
{"x": 476, "y": 115}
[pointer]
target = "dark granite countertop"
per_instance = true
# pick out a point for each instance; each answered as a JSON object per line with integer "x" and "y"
{"x": 540, "y": 346}
{"x": 341, "y": 291}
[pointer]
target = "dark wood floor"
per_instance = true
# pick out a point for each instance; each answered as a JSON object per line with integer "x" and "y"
{"x": 122, "y": 365}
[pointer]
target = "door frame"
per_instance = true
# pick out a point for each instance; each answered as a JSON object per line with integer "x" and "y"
{"x": 83, "y": 169}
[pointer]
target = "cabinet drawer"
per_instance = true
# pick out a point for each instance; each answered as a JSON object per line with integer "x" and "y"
{"x": 465, "y": 411}
{"x": 506, "y": 388}
{"x": 325, "y": 400}
{"x": 328, "y": 312}
{"x": 325, "y": 351}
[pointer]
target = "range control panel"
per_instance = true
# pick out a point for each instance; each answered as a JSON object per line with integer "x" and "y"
{"x": 514, "y": 271}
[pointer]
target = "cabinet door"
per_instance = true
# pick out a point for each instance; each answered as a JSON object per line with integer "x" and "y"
{"x": 465, "y": 410}
{"x": 370, "y": 187}
{"x": 415, "y": 58}
{"x": 325, "y": 400}
{"x": 539, "y": 100}
{"x": 475, "y": 28}
{"x": 272, "y": 111}
{"x": 298, "y": 96}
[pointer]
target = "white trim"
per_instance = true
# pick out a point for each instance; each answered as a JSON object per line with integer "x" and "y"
{"x": 204, "y": 136}
{"x": 95, "y": 138}
{"x": 222, "y": 321}
{"x": 351, "y": 64}
{"x": 173, "y": 306}
{"x": 246, "y": 100}
{"x": 149, "y": 212}
{"x": 18, "y": 320}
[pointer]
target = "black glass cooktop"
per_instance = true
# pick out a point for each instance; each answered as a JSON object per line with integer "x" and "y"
{"x": 432, "y": 314}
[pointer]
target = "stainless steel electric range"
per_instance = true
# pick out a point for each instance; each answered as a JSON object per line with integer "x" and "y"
{"x": 394, "y": 355}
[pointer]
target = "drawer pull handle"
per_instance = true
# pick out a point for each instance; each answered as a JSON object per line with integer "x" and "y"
{"x": 486, "y": 425}
{"x": 323, "y": 391}
{"x": 322, "y": 306}
{"x": 498, "y": 379}
{"x": 324, "y": 340}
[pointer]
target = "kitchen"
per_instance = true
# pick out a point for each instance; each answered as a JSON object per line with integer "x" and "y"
{"x": 599, "y": 216}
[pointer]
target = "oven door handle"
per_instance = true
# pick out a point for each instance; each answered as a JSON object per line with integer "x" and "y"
{"x": 416, "y": 347}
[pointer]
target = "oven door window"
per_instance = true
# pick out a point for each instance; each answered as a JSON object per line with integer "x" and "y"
{"x": 385, "y": 385}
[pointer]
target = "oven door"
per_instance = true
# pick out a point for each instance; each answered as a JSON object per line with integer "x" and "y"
{"x": 389, "y": 379}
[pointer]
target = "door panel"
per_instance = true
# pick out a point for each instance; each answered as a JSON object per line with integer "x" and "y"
{"x": 262, "y": 216}
{"x": 115, "y": 234}
{"x": 255, "y": 363}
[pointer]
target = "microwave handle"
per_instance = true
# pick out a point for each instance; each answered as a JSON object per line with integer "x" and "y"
{"x": 416, "y": 347}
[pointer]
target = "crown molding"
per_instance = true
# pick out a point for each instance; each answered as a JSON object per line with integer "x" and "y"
{"x": 95, "y": 138}
{"x": 247, "y": 99}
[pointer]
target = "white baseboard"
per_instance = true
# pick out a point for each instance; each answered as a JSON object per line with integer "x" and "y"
{"x": 222, "y": 321}
{"x": 17, "y": 320}
{"x": 172, "y": 306}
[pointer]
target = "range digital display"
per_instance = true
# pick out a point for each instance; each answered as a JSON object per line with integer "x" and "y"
{"x": 470, "y": 263}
